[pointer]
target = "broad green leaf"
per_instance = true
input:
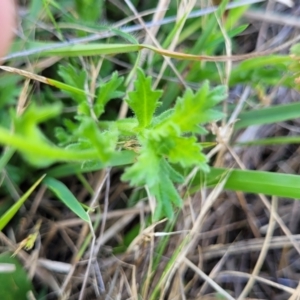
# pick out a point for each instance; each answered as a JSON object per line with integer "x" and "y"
{"x": 14, "y": 283}
{"x": 107, "y": 91}
{"x": 143, "y": 100}
{"x": 14, "y": 209}
{"x": 65, "y": 195}
{"x": 269, "y": 115}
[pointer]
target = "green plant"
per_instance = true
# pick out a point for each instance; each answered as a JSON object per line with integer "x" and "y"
{"x": 155, "y": 142}
{"x": 152, "y": 143}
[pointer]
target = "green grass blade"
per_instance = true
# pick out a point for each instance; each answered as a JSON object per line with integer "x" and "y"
{"x": 276, "y": 184}
{"x": 211, "y": 24}
{"x": 278, "y": 140}
{"x": 234, "y": 15}
{"x": 263, "y": 61}
{"x": 168, "y": 268}
{"x": 14, "y": 209}
{"x": 50, "y": 15}
{"x": 269, "y": 115}
{"x": 64, "y": 194}
{"x": 49, "y": 81}
{"x": 91, "y": 49}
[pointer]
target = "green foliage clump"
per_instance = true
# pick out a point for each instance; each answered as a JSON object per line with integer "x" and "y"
{"x": 169, "y": 139}
{"x": 157, "y": 142}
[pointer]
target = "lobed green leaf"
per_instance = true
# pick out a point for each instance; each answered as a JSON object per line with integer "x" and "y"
{"x": 107, "y": 91}
{"x": 143, "y": 100}
{"x": 194, "y": 109}
{"x": 104, "y": 142}
{"x": 144, "y": 171}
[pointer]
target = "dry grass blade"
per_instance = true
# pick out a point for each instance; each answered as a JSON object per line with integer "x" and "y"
{"x": 208, "y": 279}
{"x": 262, "y": 254}
{"x": 258, "y": 278}
{"x": 272, "y": 17}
